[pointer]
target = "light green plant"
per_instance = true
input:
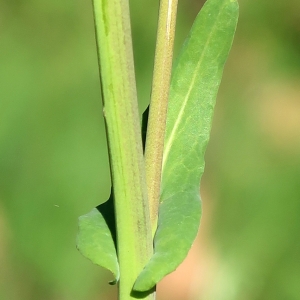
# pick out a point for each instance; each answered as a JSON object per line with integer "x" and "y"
{"x": 146, "y": 228}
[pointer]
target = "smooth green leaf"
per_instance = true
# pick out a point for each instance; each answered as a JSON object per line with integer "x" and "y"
{"x": 194, "y": 87}
{"x": 96, "y": 238}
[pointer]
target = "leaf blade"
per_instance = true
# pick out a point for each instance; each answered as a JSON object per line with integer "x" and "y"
{"x": 96, "y": 239}
{"x": 194, "y": 87}
{"x": 201, "y": 82}
{"x": 156, "y": 268}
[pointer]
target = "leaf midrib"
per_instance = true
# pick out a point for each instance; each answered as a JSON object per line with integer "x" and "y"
{"x": 171, "y": 138}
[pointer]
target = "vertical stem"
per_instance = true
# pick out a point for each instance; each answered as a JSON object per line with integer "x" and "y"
{"x": 159, "y": 103}
{"x": 134, "y": 240}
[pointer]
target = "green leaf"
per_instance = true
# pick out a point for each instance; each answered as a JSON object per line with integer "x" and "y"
{"x": 96, "y": 238}
{"x": 194, "y": 86}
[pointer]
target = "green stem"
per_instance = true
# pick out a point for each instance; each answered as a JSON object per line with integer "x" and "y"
{"x": 159, "y": 103}
{"x": 134, "y": 238}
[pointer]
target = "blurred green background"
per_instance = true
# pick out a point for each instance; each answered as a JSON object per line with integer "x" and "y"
{"x": 54, "y": 166}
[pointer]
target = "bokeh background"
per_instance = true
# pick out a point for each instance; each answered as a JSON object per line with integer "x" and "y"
{"x": 54, "y": 165}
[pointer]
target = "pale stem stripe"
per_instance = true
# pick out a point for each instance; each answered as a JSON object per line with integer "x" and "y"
{"x": 158, "y": 103}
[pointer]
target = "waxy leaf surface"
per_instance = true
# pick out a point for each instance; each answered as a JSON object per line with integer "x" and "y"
{"x": 195, "y": 82}
{"x": 96, "y": 238}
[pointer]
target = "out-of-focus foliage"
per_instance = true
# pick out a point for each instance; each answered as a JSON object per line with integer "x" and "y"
{"x": 52, "y": 148}
{"x": 253, "y": 160}
{"x": 53, "y": 157}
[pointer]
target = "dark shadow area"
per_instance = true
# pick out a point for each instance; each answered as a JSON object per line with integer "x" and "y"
{"x": 142, "y": 295}
{"x": 108, "y": 212}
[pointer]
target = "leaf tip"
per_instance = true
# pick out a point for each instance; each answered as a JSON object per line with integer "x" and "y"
{"x": 143, "y": 284}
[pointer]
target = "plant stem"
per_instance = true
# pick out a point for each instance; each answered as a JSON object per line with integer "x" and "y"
{"x": 159, "y": 103}
{"x": 134, "y": 240}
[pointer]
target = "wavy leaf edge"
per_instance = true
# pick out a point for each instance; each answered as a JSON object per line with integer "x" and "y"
{"x": 96, "y": 239}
